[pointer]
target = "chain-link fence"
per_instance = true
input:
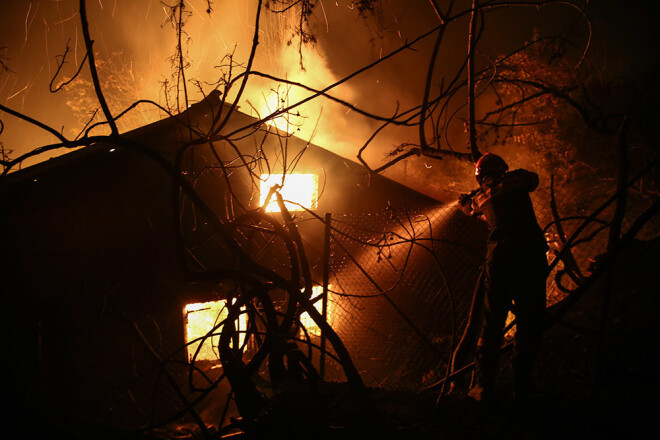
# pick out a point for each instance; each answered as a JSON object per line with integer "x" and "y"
{"x": 402, "y": 282}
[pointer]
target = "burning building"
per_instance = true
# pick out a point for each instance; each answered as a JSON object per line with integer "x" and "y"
{"x": 101, "y": 319}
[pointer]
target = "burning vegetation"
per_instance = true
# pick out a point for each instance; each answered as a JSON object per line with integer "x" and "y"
{"x": 253, "y": 232}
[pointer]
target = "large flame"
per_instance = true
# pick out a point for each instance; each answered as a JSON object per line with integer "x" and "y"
{"x": 299, "y": 191}
{"x": 130, "y": 68}
{"x": 200, "y": 319}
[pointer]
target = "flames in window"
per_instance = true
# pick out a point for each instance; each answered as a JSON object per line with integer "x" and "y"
{"x": 299, "y": 191}
{"x": 307, "y": 320}
{"x": 199, "y": 320}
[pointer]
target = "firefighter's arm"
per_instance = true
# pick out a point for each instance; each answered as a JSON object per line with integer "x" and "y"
{"x": 466, "y": 202}
{"x": 476, "y": 211}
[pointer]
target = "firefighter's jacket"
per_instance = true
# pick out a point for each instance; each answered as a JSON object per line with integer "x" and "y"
{"x": 507, "y": 208}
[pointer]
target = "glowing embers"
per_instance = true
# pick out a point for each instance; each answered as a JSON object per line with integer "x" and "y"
{"x": 307, "y": 320}
{"x": 199, "y": 320}
{"x": 299, "y": 191}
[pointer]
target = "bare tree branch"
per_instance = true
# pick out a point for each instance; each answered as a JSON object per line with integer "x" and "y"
{"x": 60, "y": 64}
{"x": 89, "y": 43}
{"x": 34, "y": 122}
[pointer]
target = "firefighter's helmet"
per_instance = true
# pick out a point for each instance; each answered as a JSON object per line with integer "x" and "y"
{"x": 490, "y": 166}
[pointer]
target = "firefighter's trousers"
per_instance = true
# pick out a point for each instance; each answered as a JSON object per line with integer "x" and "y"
{"x": 514, "y": 279}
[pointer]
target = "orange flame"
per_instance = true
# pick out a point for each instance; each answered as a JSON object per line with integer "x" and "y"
{"x": 307, "y": 320}
{"x": 200, "y": 319}
{"x": 299, "y": 191}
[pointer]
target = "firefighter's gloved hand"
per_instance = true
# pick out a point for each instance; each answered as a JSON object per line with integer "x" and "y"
{"x": 464, "y": 199}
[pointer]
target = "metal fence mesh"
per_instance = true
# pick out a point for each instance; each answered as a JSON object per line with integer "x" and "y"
{"x": 400, "y": 289}
{"x": 400, "y": 307}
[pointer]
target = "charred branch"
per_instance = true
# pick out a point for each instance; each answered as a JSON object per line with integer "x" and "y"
{"x": 89, "y": 43}
{"x": 60, "y": 64}
{"x": 474, "y": 150}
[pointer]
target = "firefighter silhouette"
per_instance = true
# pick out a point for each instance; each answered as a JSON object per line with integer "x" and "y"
{"x": 513, "y": 276}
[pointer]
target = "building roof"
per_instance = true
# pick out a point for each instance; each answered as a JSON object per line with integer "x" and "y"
{"x": 346, "y": 184}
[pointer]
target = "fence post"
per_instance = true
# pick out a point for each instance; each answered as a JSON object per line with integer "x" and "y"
{"x": 324, "y": 298}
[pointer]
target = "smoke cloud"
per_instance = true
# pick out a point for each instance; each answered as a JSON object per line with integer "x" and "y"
{"x": 134, "y": 42}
